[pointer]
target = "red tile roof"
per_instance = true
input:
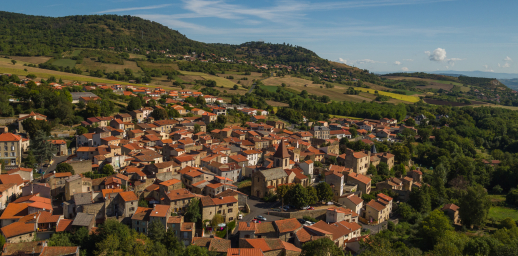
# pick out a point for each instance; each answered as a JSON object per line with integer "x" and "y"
{"x": 17, "y": 228}
{"x": 287, "y": 225}
{"x": 244, "y": 252}
{"x": 9, "y": 137}
{"x": 64, "y": 225}
{"x": 128, "y": 196}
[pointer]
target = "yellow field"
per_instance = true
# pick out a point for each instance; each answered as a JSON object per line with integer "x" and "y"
{"x": 349, "y": 117}
{"x": 393, "y": 95}
{"x": 219, "y": 80}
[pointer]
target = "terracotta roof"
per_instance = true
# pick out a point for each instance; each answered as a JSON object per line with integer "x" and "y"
{"x": 17, "y": 228}
{"x": 64, "y": 225}
{"x": 142, "y": 213}
{"x": 187, "y": 226}
{"x": 11, "y": 178}
{"x": 452, "y": 207}
{"x": 179, "y": 194}
{"x": 359, "y": 177}
{"x": 355, "y": 199}
{"x": 246, "y": 226}
{"x": 19, "y": 169}
{"x": 22, "y": 248}
{"x": 208, "y": 201}
{"x": 59, "y": 250}
{"x": 170, "y": 182}
{"x": 287, "y": 225}
{"x": 259, "y": 243}
{"x": 159, "y": 210}
{"x": 385, "y": 197}
{"x": 9, "y": 137}
{"x": 15, "y": 211}
{"x": 377, "y": 206}
{"x": 337, "y": 230}
{"x": 128, "y": 196}
{"x": 244, "y": 252}
{"x": 175, "y": 219}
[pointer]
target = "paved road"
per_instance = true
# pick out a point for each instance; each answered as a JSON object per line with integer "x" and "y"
{"x": 57, "y": 160}
{"x": 375, "y": 228}
{"x": 251, "y": 88}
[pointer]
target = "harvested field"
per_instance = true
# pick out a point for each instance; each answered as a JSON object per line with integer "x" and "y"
{"x": 190, "y": 79}
{"x": 277, "y": 104}
{"x": 160, "y": 66}
{"x": 219, "y": 80}
{"x": 33, "y": 60}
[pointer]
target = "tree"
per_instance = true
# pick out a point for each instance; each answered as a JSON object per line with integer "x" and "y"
{"x": 81, "y": 130}
{"x": 321, "y": 247}
{"x": 33, "y": 126}
{"x": 14, "y": 62}
{"x": 324, "y": 192}
{"x": 142, "y": 203}
{"x": 297, "y": 196}
{"x": 410, "y": 122}
{"x": 420, "y": 199}
{"x": 107, "y": 169}
{"x": 312, "y": 195}
{"x": 438, "y": 181}
{"x": 134, "y": 104}
{"x": 512, "y": 197}
{"x": 282, "y": 190}
{"x": 193, "y": 212}
{"x": 159, "y": 114}
{"x": 171, "y": 242}
{"x": 325, "y": 99}
{"x": 216, "y": 220}
{"x": 401, "y": 153}
{"x": 156, "y": 231}
{"x": 235, "y": 87}
{"x": 2, "y": 241}
{"x": 42, "y": 148}
{"x": 474, "y": 206}
{"x": 93, "y": 109}
{"x": 508, "y": 223}
{"x": 197, "y": 128}
{"x": 383, "y": 169}
{"x": 30, "y": 160}
{"x": 65, "y": 167}
{"x": 434, "y": 226}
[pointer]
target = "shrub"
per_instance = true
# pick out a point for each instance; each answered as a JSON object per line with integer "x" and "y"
{"x": 309, "y": 218}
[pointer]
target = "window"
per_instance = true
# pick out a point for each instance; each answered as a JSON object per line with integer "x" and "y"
{"x": 6, "y": 154}
{"x": 12, "y": 148}
{"x": 13, "y": 162}
{"x": 13, "y": 153}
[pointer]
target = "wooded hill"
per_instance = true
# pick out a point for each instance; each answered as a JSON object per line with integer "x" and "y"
{"x": 27, "y": 35}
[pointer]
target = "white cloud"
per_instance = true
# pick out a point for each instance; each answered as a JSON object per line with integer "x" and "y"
{"x": 447, "y": 67}
{"x": 368, "y": 61}
{"x": 404, "y": 69}
{"x": 508, "y": 59}
{"x": 453, "y": 60}
{"x": 488, "y": 68}
{"x": 135, "y": 8}
{"x": 427, "y": 53}
{"x": 438, "y": 54}
{"x": 506, "y": 65}
{"x": 342, "y": 61}
{"x": 397, "y": 62}
{"x": 408, "y": 60}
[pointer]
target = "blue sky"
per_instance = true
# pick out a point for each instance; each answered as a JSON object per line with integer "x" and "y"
{"x": 379, "y": 35}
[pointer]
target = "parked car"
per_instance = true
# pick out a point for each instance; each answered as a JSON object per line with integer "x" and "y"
{"x": 240, "y": 216}
{"x": 304, "y": 207}
{"x": 330, "y": 203}
{"x": 311, "y": 208}
{"x": 261, "y": 218}
{"x": 301, "y": 221}
{"x": 276, "y": 209}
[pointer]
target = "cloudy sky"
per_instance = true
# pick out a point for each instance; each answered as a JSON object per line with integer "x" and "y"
{"x": 379, "y": 35}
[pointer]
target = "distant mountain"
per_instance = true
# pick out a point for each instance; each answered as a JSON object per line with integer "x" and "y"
{"x": 511, "y": 83}
{"x": 28, "y": 35}
{"x": 477, "y": 74}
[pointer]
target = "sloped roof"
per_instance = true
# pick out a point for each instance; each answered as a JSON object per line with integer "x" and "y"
{"x": 18, "y": 228}
{"x": 287, "y": 225}
{"x": 274, "y": 173}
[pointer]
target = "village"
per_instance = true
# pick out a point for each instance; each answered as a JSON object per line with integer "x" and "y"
{"x": 138, "y": 170}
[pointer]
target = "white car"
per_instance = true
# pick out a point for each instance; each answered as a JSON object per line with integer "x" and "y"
{"x": 240, "y": 216}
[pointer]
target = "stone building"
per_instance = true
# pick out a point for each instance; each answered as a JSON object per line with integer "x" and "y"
{"x": 225, "y": 206}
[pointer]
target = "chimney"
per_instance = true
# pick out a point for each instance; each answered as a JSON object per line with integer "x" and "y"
{"x": 248, "y": 224}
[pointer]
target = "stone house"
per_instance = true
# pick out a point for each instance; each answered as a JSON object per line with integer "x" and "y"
{"x": 56, "y": 182}
{"x": 225, "y": 206}
{"x": 353, "y": 202}
{"x": 363, "y": 182}
{"x": 378, "y": 209}
{"x": 452, "y": 211}
{"x": 256, "y": 230}
{"x": 76, "y": 184}
{"x": 25, "y": 173}
{"x": 320, "y": 132}
{"x": 286, "y": 228}
{"x": 359, "y": 162}
{"x": 178, "y": 199}
{"x": 337, "y": 214}
{"x": 11, "y": 149}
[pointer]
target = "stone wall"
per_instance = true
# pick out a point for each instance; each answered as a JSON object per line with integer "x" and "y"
{"x": 5, "y": 121}
{"x": 317, "y": 214}
{"x": 81, "y": 166}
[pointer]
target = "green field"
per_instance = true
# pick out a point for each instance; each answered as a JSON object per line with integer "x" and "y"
{"x": 501, "y": 213}
{"x": 75, "y": 53}
{"x": 270, "y": 88}
{"x": 64, "y": 63}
